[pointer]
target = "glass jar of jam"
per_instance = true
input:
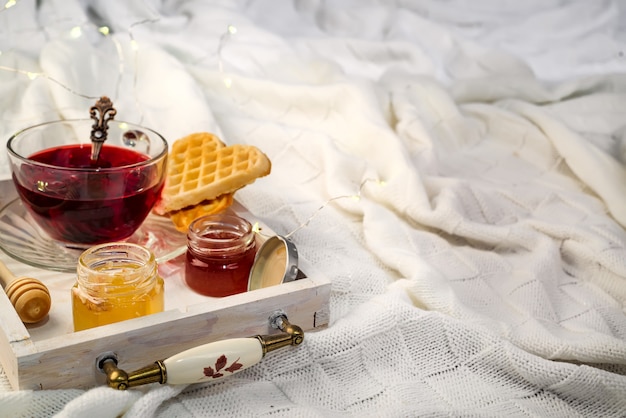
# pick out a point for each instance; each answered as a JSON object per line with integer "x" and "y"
{"x": 220, "y": 254}
{"x": 115, "y": 282}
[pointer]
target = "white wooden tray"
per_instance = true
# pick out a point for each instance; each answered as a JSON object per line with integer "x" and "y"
{"x": 49, "y": 355}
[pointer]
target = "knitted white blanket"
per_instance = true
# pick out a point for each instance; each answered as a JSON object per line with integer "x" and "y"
{"x": 469, "y": 159}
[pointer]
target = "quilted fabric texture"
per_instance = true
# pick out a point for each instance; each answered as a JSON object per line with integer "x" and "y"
{"x": 455, "y": 168}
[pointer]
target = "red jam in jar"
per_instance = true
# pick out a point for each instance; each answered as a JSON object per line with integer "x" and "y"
{"x": 220, "y": 254}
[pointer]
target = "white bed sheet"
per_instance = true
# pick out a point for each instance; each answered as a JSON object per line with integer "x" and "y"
{"x": 468, "y": 158}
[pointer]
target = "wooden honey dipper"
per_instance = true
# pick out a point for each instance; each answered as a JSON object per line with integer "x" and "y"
{"x": 29, "y": 296}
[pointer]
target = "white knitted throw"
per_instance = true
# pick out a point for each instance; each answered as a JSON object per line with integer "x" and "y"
{"x": 469, "y": 159}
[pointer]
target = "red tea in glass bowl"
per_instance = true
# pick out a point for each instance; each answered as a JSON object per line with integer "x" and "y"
{"x": 79, "y": 201}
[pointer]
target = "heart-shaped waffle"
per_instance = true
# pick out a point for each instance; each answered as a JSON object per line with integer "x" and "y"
{"x": 201, "y": 167}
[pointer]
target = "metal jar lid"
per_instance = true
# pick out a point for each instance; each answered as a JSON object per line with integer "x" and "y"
{"x": 275, "y": 262}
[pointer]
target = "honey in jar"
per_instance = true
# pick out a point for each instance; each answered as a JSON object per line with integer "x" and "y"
{"x": 220, "y": 254}
{"x": 115, "y": 282}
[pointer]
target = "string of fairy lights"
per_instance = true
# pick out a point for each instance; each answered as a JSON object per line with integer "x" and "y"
{"x": 78, "y": 31}
{"x": 355, "y": 197}
{"x": 231, "y": 30}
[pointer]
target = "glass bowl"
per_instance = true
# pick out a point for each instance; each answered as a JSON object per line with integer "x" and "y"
{"x": 77, "y": 201}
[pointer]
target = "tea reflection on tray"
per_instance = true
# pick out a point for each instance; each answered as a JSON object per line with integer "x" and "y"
{"x": 22, "y": 239}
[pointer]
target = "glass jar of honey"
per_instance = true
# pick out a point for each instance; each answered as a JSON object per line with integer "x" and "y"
{"x": 220, "y": 254}
{"x": 115, "y": 282}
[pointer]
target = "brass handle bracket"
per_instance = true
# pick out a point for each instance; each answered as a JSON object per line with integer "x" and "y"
{"x": 291, "y": 334}
{"x": 119, "y": 379}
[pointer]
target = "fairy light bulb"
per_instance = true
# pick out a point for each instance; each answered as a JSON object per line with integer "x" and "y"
{"x": 76, "y": 32}
{"x": 10, "y": 3}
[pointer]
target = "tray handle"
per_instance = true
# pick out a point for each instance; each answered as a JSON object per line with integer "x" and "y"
{"x": 205, "y": 362}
